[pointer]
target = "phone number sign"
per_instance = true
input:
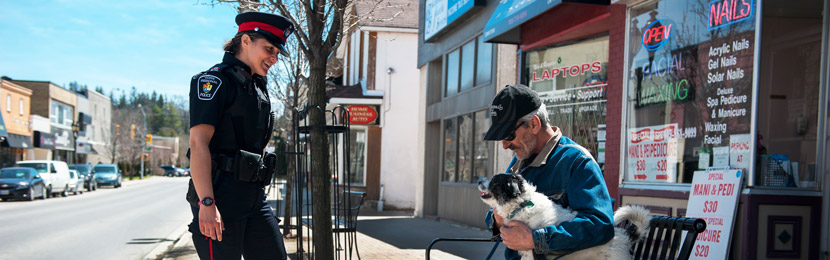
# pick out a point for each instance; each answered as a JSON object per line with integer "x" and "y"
{"x": 714, "y": 198}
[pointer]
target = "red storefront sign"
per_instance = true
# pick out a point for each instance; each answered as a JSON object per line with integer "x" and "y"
{"x": 363, "y": 115}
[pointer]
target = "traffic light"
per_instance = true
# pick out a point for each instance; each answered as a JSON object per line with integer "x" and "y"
{"x": 132, "y": 131}
{"x": 148, "y": 139}
{"x": 145, "y": 157}
{"x": 117, "y": 130}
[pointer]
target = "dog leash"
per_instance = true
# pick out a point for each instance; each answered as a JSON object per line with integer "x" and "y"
{"x": 498, "y": 240}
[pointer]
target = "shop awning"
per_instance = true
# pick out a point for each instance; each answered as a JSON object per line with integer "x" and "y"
{"x": 18, "y": 141}
{"x": 504, "y": 25}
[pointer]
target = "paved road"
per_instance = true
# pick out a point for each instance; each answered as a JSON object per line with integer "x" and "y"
{"x": 123, "y": 223}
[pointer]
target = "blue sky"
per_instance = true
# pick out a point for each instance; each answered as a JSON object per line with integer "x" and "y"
{"x": 150, "y": 44}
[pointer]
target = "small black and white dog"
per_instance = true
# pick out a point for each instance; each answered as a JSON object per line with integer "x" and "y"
{"x": 515, "y": 199}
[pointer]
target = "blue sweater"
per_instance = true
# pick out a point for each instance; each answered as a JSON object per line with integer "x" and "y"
{"x": 569, "y": 177}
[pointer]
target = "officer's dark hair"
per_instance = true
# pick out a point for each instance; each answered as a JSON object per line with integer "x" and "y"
{"x": 232, "y": 46}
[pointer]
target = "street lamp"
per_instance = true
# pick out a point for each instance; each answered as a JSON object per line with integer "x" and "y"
{"x": 144, "y": 145}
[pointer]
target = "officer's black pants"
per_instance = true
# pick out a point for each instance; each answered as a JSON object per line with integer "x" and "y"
{"x": 251, "y": 229}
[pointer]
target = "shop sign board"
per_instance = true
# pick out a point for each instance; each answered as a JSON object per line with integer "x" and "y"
{"x": 652, "y": 153}
{"x": 441, "y": 13}
{"x": 714, "y": 198}
{"x": 44, "y": 140}
{"x": 64, "y": 139}
{"x": 363, "y": 115}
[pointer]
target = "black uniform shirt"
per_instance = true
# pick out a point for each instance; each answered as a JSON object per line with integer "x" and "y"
{"x": 211, "y": 92}
{"x": 235, "y": 103}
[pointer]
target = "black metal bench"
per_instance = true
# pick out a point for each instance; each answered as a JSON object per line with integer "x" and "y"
{"x": 663, "y": 239}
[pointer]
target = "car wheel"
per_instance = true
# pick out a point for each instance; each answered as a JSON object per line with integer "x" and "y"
{"x": 44, "y": 194}
{"x": 75, "y": 192}
{"x": 65, "y": 191}
{"x": 95, "y": 187}
{"x": 31, "y": 194}
{"x": 49, "y": 192}
{"x": 5, "y": 199}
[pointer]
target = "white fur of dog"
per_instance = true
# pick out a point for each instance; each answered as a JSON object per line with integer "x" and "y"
{"x": 544, "y": 212}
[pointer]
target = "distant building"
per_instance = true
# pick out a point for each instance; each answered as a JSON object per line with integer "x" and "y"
{"x": 98, "y": 133}
{"x": 59, "y": 106}
{"x": 15, "y": 133}
{"x": 380, "y": 89}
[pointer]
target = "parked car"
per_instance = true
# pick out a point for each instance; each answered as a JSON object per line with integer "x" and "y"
{"x": 108, "y": 175}
{"x": 21, "y": 183}
{"x": 76, "y": 182}
{"x": 55, "y": 175}
{"x": 90, "y": 182}
{"x": 173, "y": 171}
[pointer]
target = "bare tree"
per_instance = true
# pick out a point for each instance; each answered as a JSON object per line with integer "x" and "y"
{"x": 320, "y": 27}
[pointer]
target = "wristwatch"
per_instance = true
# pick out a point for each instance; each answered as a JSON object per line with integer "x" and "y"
{"x": 207, "y": 201}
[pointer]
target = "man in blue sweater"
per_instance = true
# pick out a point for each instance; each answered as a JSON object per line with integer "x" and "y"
{"x": 558, "y": 167}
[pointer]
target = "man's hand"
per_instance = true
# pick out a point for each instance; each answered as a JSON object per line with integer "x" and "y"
{"x": 210, "y": 222}
{"x": 517, "y": 236}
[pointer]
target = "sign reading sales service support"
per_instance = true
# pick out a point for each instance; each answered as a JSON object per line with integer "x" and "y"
{"x": 652, "y": 153}
{"x": 714, "y": 198}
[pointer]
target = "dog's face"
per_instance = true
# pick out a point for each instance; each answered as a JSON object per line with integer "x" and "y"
{"x": 501, "y": 189}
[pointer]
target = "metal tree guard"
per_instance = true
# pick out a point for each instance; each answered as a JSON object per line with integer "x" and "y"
{"x": 336, "y": 130}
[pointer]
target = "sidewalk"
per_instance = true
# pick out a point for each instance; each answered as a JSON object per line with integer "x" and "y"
{"x": 389, "y": 235}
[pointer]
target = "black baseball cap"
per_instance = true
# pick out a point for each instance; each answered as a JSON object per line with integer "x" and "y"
{"x": 273, "y": 27}
{"x": 510, "y": 104}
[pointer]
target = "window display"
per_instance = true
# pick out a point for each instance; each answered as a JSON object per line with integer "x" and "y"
{"x": 571, "y": 81}
{"x": 689, "y": 88}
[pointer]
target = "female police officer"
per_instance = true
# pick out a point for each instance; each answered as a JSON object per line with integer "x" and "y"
{"x": 230, "y": 123}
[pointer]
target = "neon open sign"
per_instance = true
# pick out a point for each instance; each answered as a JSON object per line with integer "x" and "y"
{"x": 656, "y": 35}
{"x": 725, "y": 12}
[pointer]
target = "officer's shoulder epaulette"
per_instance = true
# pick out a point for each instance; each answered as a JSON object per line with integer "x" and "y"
{"x": 226, "y": 70}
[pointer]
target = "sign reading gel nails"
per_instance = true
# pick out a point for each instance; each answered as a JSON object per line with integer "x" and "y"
{"x": 656, "y": 34}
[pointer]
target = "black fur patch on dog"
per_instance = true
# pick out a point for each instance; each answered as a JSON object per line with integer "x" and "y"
{"x": 506, "y": 187}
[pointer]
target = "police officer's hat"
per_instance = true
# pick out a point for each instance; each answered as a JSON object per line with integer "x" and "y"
{"x": 275, "y": 28}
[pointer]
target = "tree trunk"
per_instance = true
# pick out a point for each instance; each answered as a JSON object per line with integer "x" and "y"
{"x": 320, "y": 174}
{"x": 290, "y": 172}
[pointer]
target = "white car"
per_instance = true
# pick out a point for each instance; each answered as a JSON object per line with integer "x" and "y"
{"x": 76, "y": 182}
{"x": 54, "y": 173}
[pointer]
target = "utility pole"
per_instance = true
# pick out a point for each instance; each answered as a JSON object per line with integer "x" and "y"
{"x": 144, "y": 146}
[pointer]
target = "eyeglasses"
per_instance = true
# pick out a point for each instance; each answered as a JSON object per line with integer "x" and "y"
{"x": 512, "y": 134}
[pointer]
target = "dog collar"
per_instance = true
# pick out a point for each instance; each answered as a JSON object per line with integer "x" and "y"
{"x": 524, "y": 204}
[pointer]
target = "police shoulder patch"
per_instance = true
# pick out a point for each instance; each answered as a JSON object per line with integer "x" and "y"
{"x": 207, "y": 85}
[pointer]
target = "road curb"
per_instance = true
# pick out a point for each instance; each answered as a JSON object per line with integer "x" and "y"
{"x": 163, "y": 247}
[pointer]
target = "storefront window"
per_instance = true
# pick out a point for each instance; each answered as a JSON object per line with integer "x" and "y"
{"x": 788, "y": 96}
{"x": 450, "y": 149}
{"x": 452, "y": 73}
{"x": 468, "y": 61}
{"x": 466, "y": 155}
{"x": 465, "y": 147}
{"x": 481, "y": 165}
{"x": 485, "y": 61}
{"x": 357, "y": 152}
{"x": 468, "y": 66}
{"x": 571, "y": 80}
{"x": 689, "y": 89}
